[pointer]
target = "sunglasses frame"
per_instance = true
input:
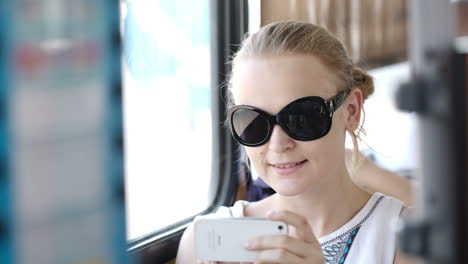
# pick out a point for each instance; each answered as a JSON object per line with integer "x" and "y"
{"x": 330, "y": 105}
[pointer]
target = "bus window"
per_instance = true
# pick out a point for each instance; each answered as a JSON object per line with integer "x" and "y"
{"x": 167, "y": 115}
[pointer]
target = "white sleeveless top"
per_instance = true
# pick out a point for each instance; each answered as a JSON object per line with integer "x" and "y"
{"x": 369, "y": 237}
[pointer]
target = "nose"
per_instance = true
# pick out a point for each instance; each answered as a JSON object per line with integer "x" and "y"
{"x": 279, "y": 140}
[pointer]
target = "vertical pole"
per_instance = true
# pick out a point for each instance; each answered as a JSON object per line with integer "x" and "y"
{"x": 436, "y": 76}
{"x": 6, "y": 190}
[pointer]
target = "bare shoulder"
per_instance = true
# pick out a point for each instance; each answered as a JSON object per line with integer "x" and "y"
{"x": 186, "y": 251}
{"x": 259, "y": 208}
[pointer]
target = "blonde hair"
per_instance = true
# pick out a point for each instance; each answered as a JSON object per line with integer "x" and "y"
{"x": 300, "y": 38}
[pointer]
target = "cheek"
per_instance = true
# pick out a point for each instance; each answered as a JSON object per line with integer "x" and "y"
{"x": 326, "y": 149}
{"x": 321, "y": 156}
{"x": 256, "y": 155}
{"x": 337, "y": 134}
{"x": 339, "y": 121}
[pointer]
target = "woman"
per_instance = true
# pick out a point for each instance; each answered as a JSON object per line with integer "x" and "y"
{"x": 296, "y": 94}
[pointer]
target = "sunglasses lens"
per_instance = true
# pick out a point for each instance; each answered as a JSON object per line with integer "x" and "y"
{"x": 306, "y": 120}
{"x": 249, "y": 126}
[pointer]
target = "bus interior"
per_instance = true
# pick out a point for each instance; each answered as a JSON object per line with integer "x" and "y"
{"x": 113, "y": 135}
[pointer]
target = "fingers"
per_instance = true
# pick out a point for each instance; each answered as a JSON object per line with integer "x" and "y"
{"x": 284, "y": 249}
{"x": 303, "y": 229}
{"x": 277, "y": 255}
{"x": 304, "y": 248}
{"x": 283, "y": 243}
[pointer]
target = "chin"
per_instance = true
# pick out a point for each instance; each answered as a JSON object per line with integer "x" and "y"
{"x": 290, "y": 189}
{"x": 288, "y": 193}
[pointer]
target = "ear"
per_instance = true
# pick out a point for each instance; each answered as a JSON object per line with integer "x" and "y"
{"x": 353, "y": 106}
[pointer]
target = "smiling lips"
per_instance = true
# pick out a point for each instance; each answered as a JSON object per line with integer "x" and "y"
{"x": 287, "y": 167}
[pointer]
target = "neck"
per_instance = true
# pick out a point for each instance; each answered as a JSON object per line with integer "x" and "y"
{"x": 328, "y": 205}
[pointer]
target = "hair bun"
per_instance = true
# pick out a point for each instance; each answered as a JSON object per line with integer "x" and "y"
{"x": 363, "y": 81}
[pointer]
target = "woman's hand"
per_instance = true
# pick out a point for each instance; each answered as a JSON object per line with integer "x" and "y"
{"x": 300, "y": 246}
{"x": 372, "y": 178}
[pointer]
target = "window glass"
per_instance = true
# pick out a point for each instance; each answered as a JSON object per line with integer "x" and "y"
{"x": 167, "y": 115}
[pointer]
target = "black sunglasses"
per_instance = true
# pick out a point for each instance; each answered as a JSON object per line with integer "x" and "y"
{"x": 304, "y": 119}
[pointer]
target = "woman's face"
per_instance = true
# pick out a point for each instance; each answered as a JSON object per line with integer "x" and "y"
{"x": 289, "y": 166}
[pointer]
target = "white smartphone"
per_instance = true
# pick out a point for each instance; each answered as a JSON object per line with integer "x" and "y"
{"x": 223, "y": 239}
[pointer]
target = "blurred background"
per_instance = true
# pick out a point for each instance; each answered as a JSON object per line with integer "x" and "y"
{"x": 111, "y": 114}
